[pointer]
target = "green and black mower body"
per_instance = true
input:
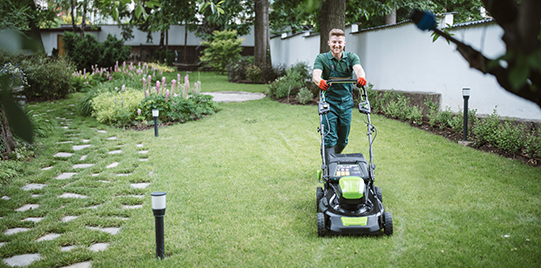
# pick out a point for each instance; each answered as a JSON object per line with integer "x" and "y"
{"x": 349, "y": 203}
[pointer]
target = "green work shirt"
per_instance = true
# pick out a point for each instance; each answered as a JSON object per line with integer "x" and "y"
{"x": 337, "y": 92}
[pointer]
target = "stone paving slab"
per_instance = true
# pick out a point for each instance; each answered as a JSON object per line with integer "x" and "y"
{"x": 63, "y": 154}
{"x": 5, "y": 197}
{"x": 112, "y": 165}
{"x": 86, "y": 264}
{"x": 98, "y": 247}
{"x": 102, "y": 131}
{"x": 15, "y": 231}
{"x": 112, "y": 138}
{"x": 143, "y": 152}
{"x": 72, "y": 195}
{"x": 27, "y": 207}
{"x": 36, "y": 195}
{"x": 140, "y": 185}
{"x": 132, "y": 207}
{"x": 33, "y": 219}
{"x": 66, "y": 175}
{"x": 69, "y": 218}
{"x": 83, "y": 157}
{"x": 109, "y": 230}
{"x": 80, "y": 147}
{"x": 123, "y": 174}
{"x": 115, "y": 152}
{"x": 22, "y": 260}
{"x": 47, "y": 168}
{"x": 48, "y": 237}
{"x": 140, "y": 145}
{"x": 86, "y": 141}
{"x": 33, "y": 186}
{"x": 82, "y": 165}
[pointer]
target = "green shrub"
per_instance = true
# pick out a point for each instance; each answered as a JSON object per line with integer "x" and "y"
{"x": 254, "y": 73}
{"x": 10, "y": 169}
{"x": 84, "y": 105}
{"x": 236, "y": 70}
{"x": 164, "y": 56}
{"x": 416, "y": 115}
{"x": 48, "y": 79}
{"x": 433, "y": 110}
{"x": 223, "y": 49}
{"x": 457, "y": 122}
{"x": 296, "y": 77}
{"x": 445, "y": 117}
{"x": 41, "y": 125}
{"x": 532, "y": 144}
{"x": 397, "y": 105}
{"x": 305, "y": 95}
{"x": 510, "y": 136}
{"x": 116, "y": 107}
{"x": 486, "y": 129}
{"x": 176, "y": 108}
{"x": 87, "y": 52}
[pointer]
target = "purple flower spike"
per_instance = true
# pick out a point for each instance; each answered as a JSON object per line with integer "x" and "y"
{"x": 157, "y": 87}
{"x": 138, "y": 111}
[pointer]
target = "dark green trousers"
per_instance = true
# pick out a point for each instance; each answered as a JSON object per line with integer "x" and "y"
{"x": 339, "y": 122}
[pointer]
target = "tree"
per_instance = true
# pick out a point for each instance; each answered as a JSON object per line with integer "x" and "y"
{"x": 519, "y": 70}
{"x": 262, "y": 33}
{"x": 333, "y": 15}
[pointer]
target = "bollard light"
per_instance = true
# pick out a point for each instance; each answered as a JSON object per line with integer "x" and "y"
{"x": 466, "y": 96}
{"x": 155, "y": 114}
{"x": 158, "y": 208}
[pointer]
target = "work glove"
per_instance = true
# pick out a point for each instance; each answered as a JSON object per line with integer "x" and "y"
{"x": 361, "y": 82}
{"x": 323, "y": 84}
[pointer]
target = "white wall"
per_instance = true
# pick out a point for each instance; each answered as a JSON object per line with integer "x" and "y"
{"x": 176, "y": 37}
{"x": 404, "y": 58}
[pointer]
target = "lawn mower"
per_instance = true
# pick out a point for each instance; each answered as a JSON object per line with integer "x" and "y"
{"x": 349, "y": 203}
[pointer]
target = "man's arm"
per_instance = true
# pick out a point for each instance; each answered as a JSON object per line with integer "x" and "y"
{"x": 359, "y": 71}
{"x": 316, "y": 76}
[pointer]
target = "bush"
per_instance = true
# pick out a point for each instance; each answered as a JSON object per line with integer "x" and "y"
{"x": 485, "y": 130}
{"x": 445, "y": 117}
{"x": 87, "y": 52}
{"x": 236, "y": 71}
{"x": 116, "y": 108}
{"x": 416, "y": 115}
{"x": 296, "y": 77}
{"x": 254, "y": 73}
{"x": 176, "y": 108}
{"x": 305, "y": 95}
{"x": 510, "y": 137}
{"x": 10, "y": 169}
{"x": 433, "y": 110}
{"x": 48, "y": 79}
{"x": 165, "y": 56}
{"x": 223, "y": 49}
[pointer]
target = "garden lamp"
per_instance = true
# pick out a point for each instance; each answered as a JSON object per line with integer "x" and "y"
{"x": 155, "y": 114}
{"x": 158, "y": 208}
{"x": 466, "y": 96}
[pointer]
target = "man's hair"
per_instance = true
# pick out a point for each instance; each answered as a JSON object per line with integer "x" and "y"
{"x": 336, "y": 32}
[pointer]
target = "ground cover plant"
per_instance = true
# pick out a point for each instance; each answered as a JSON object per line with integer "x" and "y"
{"x": 241, "y": 193}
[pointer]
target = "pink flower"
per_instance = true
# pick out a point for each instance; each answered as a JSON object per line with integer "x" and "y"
{"x": 187, "y": 83}
{"x": 157, "y": 87}
{"x": 166, "y": 95}
{"x": 138, "y": 111}
{"x": 149, "y": 79}
{"x": 163, "y": 81}
{"x": 123, "y": 88}
{"x": 173, "y": 84}
{"x": 144, "y": 83}
{"x": 146, "y": 94}
{"x": 178, "y": 78}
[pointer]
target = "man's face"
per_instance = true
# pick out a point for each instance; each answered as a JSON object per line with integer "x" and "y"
{"x": 337, "y": 44}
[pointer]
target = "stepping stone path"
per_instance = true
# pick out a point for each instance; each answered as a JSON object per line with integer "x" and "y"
{"x": 65, "y": 176}
{"x": 28, "y": 259}
{"x": 63, "y": 154}
{"x": 22, "y": 260}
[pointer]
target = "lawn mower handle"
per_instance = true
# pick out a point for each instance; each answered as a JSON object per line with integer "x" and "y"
{"x": 342, "y": 81}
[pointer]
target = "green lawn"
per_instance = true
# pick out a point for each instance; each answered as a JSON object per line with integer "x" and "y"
{"x": 241, "y": 193}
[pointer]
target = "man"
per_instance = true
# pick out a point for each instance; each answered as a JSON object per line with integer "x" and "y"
{"x": 337, "y": 64}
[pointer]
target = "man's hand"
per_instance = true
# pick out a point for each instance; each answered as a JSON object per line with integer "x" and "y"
{"x": 361, "y": 82}
{"x": 323, "y": 84}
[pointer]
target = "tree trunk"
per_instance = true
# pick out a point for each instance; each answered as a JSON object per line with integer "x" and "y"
{"x": 391, "y": 18}
{"x": 333, "y": 16}
{"x": 185, "y": 43}
{"x": 83, "y": 23}
{"x": 261, "y": 36}
{"x": 8, "y": 138}
{"x": 73, "y": 13}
